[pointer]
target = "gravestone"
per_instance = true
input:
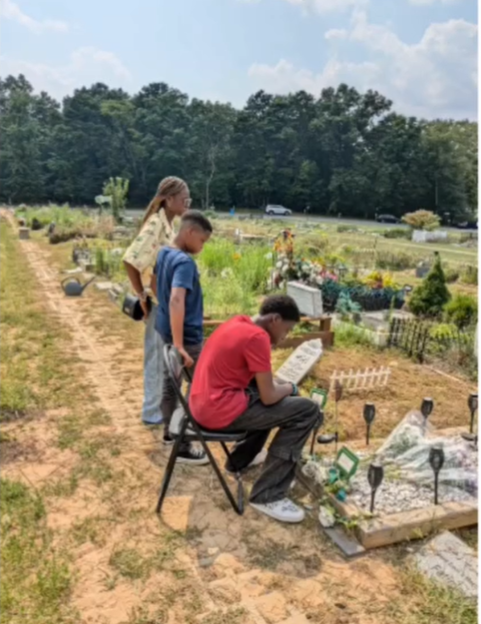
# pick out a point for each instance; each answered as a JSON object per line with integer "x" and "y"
{"x": 23, "y": 233}
{"x": 308, "y": 299}
{"x": 448, "y": 560}
{"x": 299, "y": 363}
{"x": 422, "y": 269}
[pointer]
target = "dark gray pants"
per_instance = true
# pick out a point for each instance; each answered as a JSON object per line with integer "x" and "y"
{"x": 295, "y": 417}
{"x": 169, "y": 398}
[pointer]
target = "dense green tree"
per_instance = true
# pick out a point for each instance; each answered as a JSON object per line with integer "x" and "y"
{"x": 344, "y": 152}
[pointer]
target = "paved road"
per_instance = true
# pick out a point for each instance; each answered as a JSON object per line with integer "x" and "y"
{"x": 296, "y": 218}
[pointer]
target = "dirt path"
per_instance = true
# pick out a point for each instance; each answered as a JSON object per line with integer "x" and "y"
{"x": 199, "y": 562}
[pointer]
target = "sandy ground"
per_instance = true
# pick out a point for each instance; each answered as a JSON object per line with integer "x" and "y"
{"x": 220, "y": 567}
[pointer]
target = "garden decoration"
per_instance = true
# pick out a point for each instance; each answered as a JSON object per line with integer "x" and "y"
{"x": 361, "y": 380}
{"x": 73, "y": 288}
{"x": 375, "y": 475}
{"x": 473, "y": 407}
{"x": 369, "y": 414}
{"x": 346, "y": 463}
{"x": 427, "y": 407}
{"x": 436, "y": 461}
{"x": 319, "y": 396}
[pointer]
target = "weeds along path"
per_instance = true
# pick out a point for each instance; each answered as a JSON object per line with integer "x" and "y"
{"x": 199, "y": 562}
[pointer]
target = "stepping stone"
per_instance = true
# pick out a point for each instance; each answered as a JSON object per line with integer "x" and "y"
{"x": 104, "y": 286}
{"x": 348, "y": 544}
{"x": 448, "y": 560}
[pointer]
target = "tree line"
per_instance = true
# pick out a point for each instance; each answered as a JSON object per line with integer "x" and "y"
{"x": 344, "y": 152}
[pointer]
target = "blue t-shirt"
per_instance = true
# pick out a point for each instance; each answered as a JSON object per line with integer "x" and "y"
{"x": 176, "y": 269}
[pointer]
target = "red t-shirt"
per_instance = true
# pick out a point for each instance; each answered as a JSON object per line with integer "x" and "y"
{"x": 235, "y": 352}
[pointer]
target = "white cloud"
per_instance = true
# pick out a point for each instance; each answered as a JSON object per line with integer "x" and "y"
{"x": 87, "y": 65}
{"x": 321, "y": 6}
{"x": 11, "y": 10}
{"x": 329, "y": 6}
{"x": 428, "y": 2}
{"x": 434, "y": 77}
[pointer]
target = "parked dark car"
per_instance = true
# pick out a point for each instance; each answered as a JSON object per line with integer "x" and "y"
{"x": 467, "y": 225}
{"x": 386, "y": 218}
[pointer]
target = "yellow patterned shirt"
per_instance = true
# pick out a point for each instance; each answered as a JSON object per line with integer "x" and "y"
{"x": 142, "y": 253}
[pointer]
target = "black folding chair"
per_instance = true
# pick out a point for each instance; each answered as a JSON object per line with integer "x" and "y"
{"x": 190, "y": 430}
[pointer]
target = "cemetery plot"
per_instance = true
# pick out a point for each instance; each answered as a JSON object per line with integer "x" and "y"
{"x": 410, "y": 482}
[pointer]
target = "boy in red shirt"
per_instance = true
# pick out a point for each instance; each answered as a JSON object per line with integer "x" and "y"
{"x": 234, "y": 390}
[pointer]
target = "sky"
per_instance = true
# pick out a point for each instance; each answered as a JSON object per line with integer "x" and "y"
{"x": 422, "y": 54}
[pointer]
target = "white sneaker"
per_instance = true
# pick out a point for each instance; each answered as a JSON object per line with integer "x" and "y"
{"x": 259, "y": 459}
{"x": 283, "y": 510}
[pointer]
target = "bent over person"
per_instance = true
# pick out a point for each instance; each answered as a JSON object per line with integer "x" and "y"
{"x": 234, "y": 390}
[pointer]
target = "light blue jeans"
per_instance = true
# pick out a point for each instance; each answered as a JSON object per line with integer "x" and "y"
{"x": 153, "y": 372}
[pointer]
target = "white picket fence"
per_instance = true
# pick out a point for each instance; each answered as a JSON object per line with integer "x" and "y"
{"x": 361, "y": 380}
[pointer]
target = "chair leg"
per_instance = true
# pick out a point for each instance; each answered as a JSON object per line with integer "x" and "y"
{"x": 170, "y": 469}
{"x": 238, "y": 506}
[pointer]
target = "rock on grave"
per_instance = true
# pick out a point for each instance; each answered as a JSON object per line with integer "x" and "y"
{"x": 299, "y": 363}
{"x": 104, "y": 286}
{"x": 448, "y": 560}
{"x": 308, "y": 299}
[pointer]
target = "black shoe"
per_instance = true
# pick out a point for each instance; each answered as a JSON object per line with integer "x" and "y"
{"x": 168, "y": 440}
{"x": 193, "y": 456}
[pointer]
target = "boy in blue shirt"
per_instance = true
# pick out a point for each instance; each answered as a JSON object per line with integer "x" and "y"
{"x": 180, "y": 311}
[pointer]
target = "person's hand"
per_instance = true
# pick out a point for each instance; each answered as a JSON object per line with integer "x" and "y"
{"x": 145, "y": 309}
{"x": 188, "y": 361}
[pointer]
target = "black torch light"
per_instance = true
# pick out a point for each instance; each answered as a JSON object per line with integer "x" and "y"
{"x": 427, "y": 407}
{"x": 473, "y": 407}
{"x": 316, "y": 431}
{"x": 375, "y": 475}
{"x": 337, "y": 397}
{"x": 436, "y": 461}
{"x": 369, "y": 415}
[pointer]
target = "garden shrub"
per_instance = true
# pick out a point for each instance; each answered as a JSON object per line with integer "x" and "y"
{"x": 395, "y": 261}
{"x": 422, "y": 220}
{"x": 396, "y": 233}
{"x": 470, "y": 275}
{"x": 342, "y": 228}
{"x": 430, "y": 297}
{"x": 462, "y": 310}
{"x": 451, "y": 275}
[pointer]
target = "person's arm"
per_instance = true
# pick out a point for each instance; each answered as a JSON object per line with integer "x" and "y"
{"x": 182, "y": 282}
{"x": 270, "y": 391}
{"x": 153, "y": 284}
{"x": 177, "y": 316}
{"x": 258, "y": 357}
{"x": 135, "y": 278}
{"x": 141, "y": 255}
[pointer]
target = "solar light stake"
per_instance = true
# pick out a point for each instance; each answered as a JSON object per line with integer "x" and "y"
{"x": 436, "y": 461}
{"x": 337, "y": 397}
{"x": 473, "y": 407}
{"x": 316, "y": 431}
{"x": 369, "y": 415}
{"x": 427, "y": 407}
{"x": 375, "y": 475}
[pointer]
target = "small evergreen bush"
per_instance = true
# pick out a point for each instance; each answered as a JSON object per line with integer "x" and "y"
{"x": 430, "y": 297}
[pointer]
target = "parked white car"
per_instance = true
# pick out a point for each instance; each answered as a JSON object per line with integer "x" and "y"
{"x": 278, "y": 211}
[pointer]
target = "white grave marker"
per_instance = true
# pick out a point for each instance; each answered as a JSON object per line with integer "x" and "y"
{"x": 308, "y": 299}
{"x": 299, "y": 363}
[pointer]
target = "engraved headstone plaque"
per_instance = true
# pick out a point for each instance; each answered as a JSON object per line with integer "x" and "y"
{"x": 299, "y": 363}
